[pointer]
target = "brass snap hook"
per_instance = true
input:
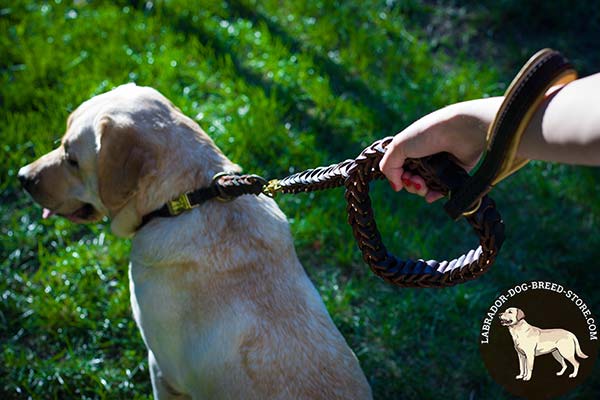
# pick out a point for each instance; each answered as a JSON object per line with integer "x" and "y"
{"x": 271, "y": 188}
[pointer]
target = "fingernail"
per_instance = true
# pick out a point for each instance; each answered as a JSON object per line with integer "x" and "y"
{"x": 417, "y": 186}
{"x": 406, "y": 182}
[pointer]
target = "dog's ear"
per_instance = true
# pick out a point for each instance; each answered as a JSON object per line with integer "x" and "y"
{"x": 520, "y": 314}
{"x": 123, "y": 160}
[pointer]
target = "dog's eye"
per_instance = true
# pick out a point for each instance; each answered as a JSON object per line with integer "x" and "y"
{"x": 73, "y": 162}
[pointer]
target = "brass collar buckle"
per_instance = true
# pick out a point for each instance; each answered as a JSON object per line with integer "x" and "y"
{"x": 179, "y": 205}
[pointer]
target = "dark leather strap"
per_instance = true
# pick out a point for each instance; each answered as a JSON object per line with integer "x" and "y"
{"x": 520, "y": 102}
{"x": 225, "y": 186}
{"x": 196, "y": 198}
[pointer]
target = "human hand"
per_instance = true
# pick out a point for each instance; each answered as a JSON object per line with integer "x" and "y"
{"x": 459, "y": 129}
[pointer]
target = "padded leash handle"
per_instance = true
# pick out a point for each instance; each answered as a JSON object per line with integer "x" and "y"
{"x": 524, "y": 95}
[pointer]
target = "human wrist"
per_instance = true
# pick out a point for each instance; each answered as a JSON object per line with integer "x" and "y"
{"x": 466, "y": 125}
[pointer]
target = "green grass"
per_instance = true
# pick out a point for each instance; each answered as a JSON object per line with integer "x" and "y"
{"x": 282, "y": 86}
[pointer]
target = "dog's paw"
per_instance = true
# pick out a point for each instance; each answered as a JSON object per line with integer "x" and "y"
{"x": 519, "y": 377}
{"x": 526, "y": 378}
{"x": 573, "y": 375}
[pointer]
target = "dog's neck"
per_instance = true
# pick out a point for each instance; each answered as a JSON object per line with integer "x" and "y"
{"x": 519, "y": 327}
{"x": 218, "y": 235}
{"x": 191, "y": 164}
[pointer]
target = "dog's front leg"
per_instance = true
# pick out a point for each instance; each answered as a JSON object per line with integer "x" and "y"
{"x": 521, "y": 364}
{"x": 529, "y": 359}
{"x": 160, "y": 387}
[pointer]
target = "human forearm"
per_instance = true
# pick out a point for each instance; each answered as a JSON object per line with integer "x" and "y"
{"x": 566, "y": 128}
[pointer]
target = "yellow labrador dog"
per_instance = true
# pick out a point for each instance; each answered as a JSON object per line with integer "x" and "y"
{"x": 531, "y": 341}
{"x": 222, "y": 302}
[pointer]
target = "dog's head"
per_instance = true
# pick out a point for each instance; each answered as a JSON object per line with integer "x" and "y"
{"x": 116, "y": 147}
{"x": 511, "y": 316}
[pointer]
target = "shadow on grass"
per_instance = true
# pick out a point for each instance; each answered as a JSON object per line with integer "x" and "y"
{"x": 506, "y": 33}
{"x": 301, "y": 110}
{"x": 342, "y": 81}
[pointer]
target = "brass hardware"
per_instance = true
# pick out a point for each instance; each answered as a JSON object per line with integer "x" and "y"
{"x": 179, "y": 205}
{"x": 271, "y": 188}
{"x": 473, "y": 210}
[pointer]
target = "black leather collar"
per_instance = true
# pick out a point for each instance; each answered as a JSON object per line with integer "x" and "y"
{"x": 225, "y": 186}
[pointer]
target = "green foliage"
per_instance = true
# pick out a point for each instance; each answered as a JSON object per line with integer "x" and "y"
{"x": 280, "y": 86}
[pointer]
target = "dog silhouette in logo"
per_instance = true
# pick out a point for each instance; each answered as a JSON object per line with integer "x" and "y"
{"x": 531, "y": 341}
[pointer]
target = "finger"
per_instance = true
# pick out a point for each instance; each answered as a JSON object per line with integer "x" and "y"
{"x": 419, "y": 185}
{"x": 414, "y": 184}
{"x": 404, "y": 143}
{"x": 407, "y": 181}
{"x": 396, "y": 181}
{"x": 432, "y": 196}
{"x": 391, "y": 165}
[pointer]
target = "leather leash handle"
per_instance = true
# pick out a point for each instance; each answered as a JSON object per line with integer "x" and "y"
{"x": 442, "y": 172}
{"x": 523, "y": 97}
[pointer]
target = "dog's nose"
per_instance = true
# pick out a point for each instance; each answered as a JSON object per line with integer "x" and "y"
{"x": 24, "y": 178}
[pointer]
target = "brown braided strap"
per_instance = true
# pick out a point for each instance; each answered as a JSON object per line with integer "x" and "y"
{"x": 231, "y": 185}
{"x": 441, "y": 174}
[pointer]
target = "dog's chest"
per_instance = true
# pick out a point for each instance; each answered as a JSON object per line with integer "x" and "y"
{"x": 156, "y": 308}
{"x": 178, "y": 323}
{"x": 518, "y": 342}
{"x": 523, "y": 338}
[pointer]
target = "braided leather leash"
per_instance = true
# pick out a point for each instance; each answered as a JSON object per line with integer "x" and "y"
{"x": 440, "y": 174}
